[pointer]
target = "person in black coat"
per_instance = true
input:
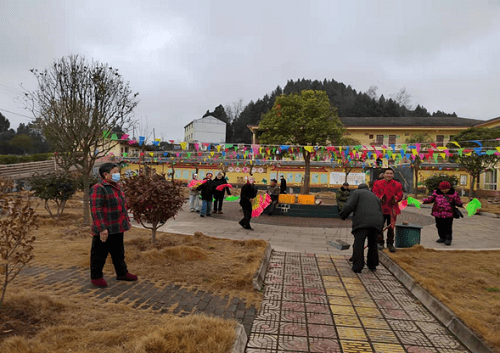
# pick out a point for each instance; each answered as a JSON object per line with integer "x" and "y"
{"x": 219, "y": 195}
{"x": 207, "y": 195}
{"x": 367, "y": 222}
{"x": 282, "y": 185}
{"x": 248, "y": 193}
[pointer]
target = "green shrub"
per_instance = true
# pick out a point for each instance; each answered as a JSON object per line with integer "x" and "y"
{"x": 432, "y": 183}
{"x": 57, "y": 187}
{"x": 15, "y": 158}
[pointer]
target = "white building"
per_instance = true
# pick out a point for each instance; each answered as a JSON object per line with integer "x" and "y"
{"x": 208, "y": 129}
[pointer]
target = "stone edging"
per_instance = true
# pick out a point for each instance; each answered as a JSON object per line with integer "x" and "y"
{"x": 241, "y": 340}
{"x": 441, "y": 311}
{"x": 258, "y": 277}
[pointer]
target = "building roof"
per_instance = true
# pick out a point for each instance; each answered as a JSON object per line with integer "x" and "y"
{"x": 408, "y": 121}
{"x": 205, "y": 117}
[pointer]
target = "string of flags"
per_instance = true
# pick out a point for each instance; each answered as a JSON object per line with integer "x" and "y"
{"x": 402, "y": 153}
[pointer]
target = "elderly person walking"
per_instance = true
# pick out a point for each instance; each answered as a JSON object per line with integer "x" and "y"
{"x": 445, "y": 198}
{"x": 109, "y": 221}
{"x": 367, "y": 222}
{"x": 219, "y": 195}
{"x": 248, "y": 193}
{"x": 194, "y": 197}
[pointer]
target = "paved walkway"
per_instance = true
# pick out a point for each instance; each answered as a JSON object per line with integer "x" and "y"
{"x": 315, "y": 303}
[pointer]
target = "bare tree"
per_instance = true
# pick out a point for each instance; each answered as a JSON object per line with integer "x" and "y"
{"x": 372, "y": 92}
{"x": 77, "y": 104}
{"x": 403, "y": 98}
{"x": 233, "y": 110}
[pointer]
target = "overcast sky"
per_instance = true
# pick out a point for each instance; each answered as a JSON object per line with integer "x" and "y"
{"x": 185, "y": 57}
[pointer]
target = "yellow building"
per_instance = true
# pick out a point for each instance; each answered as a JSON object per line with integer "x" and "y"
{"x": 386, "y": 131}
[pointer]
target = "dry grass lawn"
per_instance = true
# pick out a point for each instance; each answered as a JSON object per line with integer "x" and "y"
{"x": 468, "y": 282}
{"x": 79, "y": 324}
{"x": 38, "y": 323}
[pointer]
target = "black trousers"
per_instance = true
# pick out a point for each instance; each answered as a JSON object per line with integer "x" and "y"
{"x": 99, "y": 253}
{"x": 218, "y": 199}
{"x": 445, "y": 228}
{"x": 358, "y": 258}
{"x": 272, "y": 205}
{"x": 390, "y": 232}
{"x": 247, "y": 215}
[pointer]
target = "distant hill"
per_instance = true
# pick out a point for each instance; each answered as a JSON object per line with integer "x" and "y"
{"x": 348, "y": 101}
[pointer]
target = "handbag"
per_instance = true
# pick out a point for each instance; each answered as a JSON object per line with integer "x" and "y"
{"x": 456, "y": 212}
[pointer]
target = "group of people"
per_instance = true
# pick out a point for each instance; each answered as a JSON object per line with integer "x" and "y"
{"x": 209, "y": 193}
{"x": 372, "y": 209}
{"x": 380, "y": 206}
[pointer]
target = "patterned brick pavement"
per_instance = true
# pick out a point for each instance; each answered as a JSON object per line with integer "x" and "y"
{"x": 315, "y": 303}
{"x": 143, "y": 294}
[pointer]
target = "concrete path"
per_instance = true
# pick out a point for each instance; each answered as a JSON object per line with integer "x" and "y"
{"x": 310, "y": 235}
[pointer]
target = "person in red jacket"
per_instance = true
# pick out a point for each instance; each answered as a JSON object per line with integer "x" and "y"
{"x": 390, "y": 193}
{"x": 109, "y": 221}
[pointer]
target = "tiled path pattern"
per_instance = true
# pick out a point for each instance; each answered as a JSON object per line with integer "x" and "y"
{"x": 316, "y": 303}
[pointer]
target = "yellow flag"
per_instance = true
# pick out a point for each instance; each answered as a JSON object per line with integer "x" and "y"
{"x": 218, "y": 148}
{"x": 414, "y": 151}
{"x": 151, "y": 154}
{"x": 183, "y": 145}
{"x": 309, "y": 148}
{"x": 455, "y": 143}
{"x": 212, "y": 153}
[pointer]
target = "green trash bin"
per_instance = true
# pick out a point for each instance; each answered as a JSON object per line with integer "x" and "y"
{"x": 407, "y": 235}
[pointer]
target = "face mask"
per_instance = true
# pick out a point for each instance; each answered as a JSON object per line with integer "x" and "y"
{"x": 115, "y": 177}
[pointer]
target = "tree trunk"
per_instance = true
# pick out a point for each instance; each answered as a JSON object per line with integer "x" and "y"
{"x": 153, "y": 233}
{"x": 86, "y": 198}
{"x": 471, "y": 189}
{"x": 307, "y": 160}
{"x": 6, "y": 281}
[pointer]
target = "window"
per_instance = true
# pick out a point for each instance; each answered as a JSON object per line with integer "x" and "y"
{"x": 370, "y": 136}
{"x": 439, "y": 140}
{"x": 392, "y": 139}
{"x": 380, "y": 139}
{"x": 490, "y": 179}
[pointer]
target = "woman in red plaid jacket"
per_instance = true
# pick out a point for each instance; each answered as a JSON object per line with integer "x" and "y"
{"x": 109, "y": 221}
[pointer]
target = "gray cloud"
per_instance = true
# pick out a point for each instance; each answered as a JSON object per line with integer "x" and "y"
{"x": 187, "y": 57}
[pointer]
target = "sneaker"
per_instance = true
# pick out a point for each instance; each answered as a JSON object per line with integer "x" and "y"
{"x": 128, "y": 277}
{"x": 356, "y": 271}
{"x": 447, "y": 242}
{"x": 241, "y": 224}
{"x": 248, "y": 228}
{"x": 202, "y": 215}
{"x": 440, "y": 240}
{"x": 391, "y": 248}
{"x": 351, "y": 259}
{"x": 198, "y": 211}
{"x": 372, "y": 268}
{"x": 192, "y": 210}
{"x": 220, "y": 212}
{"x": 380, "y": 246}
{"x": 100, "y": 282}
{"x": 209, "y": 215}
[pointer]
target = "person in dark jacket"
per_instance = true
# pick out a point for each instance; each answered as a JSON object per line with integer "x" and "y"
{"x": 342, "y": 195}
{"x": 219, "y": 195}
{"x": 273, "y": 191}
{"x": 207, "y": 195}
{"x": 367, "y": 222}
{"x": 282, "y": 185}
{"x": 110, "y": 220}
{"x": 248, "y": 193}
{"x": 442, "y": 210}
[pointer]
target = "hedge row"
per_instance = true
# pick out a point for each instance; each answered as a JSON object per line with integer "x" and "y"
{"x": 13, "y": 158}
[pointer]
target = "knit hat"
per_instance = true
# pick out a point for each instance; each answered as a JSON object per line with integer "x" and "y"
{"x": 444, "y": 185}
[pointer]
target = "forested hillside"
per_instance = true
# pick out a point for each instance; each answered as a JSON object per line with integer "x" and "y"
{"x": 347, "y": 100}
